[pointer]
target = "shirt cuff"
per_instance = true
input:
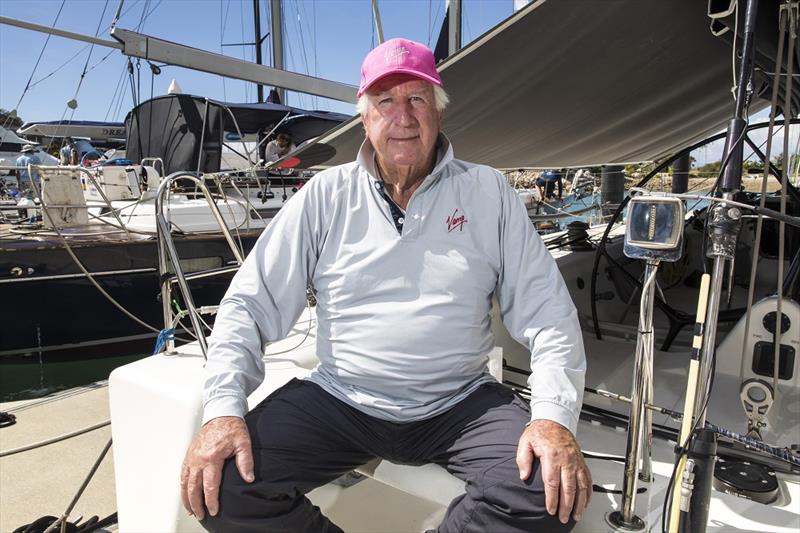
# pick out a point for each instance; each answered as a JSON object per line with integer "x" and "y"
{"x": 224, "y": 406}
{"x": 547, "y": 410}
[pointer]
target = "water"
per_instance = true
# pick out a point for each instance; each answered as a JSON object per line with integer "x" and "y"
{"x": 23, "y": 379}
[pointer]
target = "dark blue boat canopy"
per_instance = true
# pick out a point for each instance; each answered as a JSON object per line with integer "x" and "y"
{"x": 183, "y": 129}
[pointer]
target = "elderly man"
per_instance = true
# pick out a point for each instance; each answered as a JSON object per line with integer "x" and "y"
{"x": 405, "y": 248}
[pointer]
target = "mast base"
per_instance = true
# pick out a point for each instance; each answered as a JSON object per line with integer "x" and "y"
{"x": 616, "y": 521}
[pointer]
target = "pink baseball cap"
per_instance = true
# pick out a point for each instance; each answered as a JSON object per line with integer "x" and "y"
{"x": 398, "y": 56}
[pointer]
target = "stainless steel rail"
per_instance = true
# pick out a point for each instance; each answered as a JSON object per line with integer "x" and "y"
{"x": 639, "y": 423}
{"x": 168, "y": 253}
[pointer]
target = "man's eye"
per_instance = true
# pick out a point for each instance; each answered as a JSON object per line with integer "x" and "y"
{"x": 384, "y": 101}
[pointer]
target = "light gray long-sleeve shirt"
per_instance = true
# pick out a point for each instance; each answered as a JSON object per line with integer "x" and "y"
{"x": 403, "y": 328}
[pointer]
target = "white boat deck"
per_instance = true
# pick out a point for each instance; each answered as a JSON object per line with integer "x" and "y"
{"x": 43, "y": 481}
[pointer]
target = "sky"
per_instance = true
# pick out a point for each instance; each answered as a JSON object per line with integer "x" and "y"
{"x": 323, "y": 38}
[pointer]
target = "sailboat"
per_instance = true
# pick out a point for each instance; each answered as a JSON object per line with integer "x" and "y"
{"x": 635, "y": 109}
{"x": 756, "y": 476}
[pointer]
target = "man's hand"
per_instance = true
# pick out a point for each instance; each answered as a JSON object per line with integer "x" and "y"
{"x": 567, "y": 480}
{"x": 219, "y": 439}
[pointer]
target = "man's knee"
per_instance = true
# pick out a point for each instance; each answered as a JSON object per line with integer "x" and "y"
{"x": 243, "y": 505}
{"x": 508, "y": 503}
{"x": 237, "y": 512}
{"x": 274, "y": 502}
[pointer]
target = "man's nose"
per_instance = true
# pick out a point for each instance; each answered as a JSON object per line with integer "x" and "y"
{"x": 403, "y": 115}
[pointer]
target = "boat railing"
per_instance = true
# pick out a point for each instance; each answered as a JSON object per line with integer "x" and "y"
{"x": 154, "y": 161}
{"x": 72, "y": 171}
{"x": 168, "y": 255}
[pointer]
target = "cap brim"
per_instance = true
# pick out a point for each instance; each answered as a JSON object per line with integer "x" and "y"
{"x": 409, "y": 72}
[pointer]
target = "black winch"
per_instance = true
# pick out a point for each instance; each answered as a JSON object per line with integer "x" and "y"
{"x": 577, "y": 236}
{"x": 746, "y": 479}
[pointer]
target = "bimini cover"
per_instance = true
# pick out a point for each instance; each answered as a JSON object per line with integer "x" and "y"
{"x": 578, "y": 83}
{"x": 187, "y": 132}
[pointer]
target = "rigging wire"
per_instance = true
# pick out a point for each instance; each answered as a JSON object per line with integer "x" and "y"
{"x": 314, "y": 37}
{"x": 429, "y": 23}
{"x": 223, "y": 24}
{"x": 35, "y": 66}
{"x": 81, "y": 78}
{"x": 734, "y": 85}
{"x": 301, "y": 19}
{"x": 117, "y": 93}
{"x": 432, "y": 23}
{"x": 762, "y": 200}
{"x": 142, "y": 17}
{"x": 244, "y": 52}
{"x": 118, "y": 14}
{"x": 302, "y": 44}
{"x": 787, "y": 102}
{"x": 82, "y": 50}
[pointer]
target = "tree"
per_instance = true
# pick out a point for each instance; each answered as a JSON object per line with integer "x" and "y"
{"x": 8, "y": 121}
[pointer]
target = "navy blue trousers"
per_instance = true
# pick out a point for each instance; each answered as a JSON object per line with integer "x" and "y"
{"x": 304, "y": 438}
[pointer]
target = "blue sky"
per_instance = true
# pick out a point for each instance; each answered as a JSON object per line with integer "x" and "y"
{"x": 324, "y": 38}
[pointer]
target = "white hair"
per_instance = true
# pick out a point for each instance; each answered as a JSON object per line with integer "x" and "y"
{"x": 440, "y": 100}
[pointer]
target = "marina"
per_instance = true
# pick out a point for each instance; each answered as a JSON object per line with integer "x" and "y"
{"x": 686, "y": 287}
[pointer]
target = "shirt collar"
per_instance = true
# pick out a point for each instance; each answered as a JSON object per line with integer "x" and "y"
{"x": 444, "y": 154}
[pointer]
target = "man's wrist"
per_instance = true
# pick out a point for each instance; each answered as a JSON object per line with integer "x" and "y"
{"x": 220, "y": 406}
{"x": 554, "y": 412}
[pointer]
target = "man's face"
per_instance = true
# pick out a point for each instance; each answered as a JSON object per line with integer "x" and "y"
{"x": 401, "y": 120}
{"x": 283, "y": 142}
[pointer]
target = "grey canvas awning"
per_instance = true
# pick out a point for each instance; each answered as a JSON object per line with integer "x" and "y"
{"x": 578, "y": 83}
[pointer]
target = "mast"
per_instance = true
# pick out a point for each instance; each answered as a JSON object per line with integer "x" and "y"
{"x": 725, "y": 221}
{"x": 276, "y": 18}
{"x": 454, "y": 29}
{"x": 257, "y": 41}
{"x": 376, "y": 17}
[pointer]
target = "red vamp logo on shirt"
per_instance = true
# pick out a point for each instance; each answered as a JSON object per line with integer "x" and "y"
{"x": 456, "y": 221}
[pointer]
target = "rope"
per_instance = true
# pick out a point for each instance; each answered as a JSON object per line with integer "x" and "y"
{"x": 54, "y": 440}
{"x": 164, "y": 336}
{"x": 78, "y": 494}
{"x": 784, "y": 454}
{"x": 58, "y": 396}
{"x": 89, "y": 276}
{"x": 7, "y": 419}
{"x": 92, "y": 524}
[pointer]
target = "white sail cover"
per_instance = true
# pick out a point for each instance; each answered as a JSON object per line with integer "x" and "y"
{"x": 577, "y": 83}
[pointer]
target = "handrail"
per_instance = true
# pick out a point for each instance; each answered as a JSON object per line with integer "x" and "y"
{"x": 155, "y": 160}
{"x": 168, "y": 253}
{"x": 58, "y": 169}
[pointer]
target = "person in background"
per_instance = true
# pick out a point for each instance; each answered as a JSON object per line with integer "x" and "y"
{"x": 406, "y": 247}
{"x": 28, "y": 157}
{"x": 547, "y": 183}
{"x": 278, "y": 147}
{"x": 65, "y": 154}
